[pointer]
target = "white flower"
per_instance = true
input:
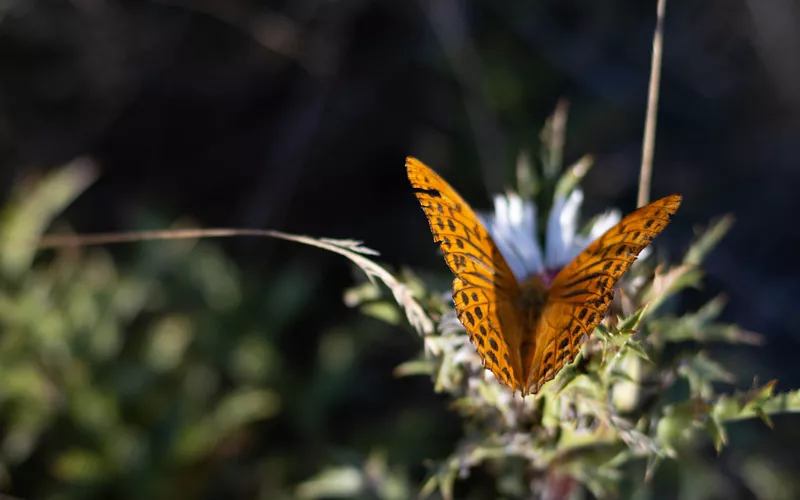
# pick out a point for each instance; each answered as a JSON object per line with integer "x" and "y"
{"x": 513, "y": 228}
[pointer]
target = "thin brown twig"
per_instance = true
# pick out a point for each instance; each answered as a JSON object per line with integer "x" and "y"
{"x": 350, "y": 249}
{"x": 79, "y": 240}
{"x": 649, "y": 142}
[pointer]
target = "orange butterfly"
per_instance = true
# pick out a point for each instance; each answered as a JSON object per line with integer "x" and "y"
{"x": 526, "y": 331}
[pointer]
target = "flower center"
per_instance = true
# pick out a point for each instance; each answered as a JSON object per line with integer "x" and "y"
{"x": 547, "y": 275}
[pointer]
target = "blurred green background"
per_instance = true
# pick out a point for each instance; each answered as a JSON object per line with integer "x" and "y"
{"x": 233, "y": 368}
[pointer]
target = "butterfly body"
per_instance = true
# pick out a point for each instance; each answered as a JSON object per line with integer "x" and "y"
{"x": 525, "y": 332}
{"x": 530, "y": 305}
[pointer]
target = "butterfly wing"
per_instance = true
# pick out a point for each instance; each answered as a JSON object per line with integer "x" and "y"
{"x": 580, "y": 294}
{"x": 484, "y": 290}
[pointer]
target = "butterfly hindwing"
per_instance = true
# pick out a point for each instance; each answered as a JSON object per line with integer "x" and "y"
{"x": 579, "y": 296}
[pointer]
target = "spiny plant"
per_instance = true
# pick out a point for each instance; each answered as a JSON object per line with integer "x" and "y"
{"x": 641, "y": 388}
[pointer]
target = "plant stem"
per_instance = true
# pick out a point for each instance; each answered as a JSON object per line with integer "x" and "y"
{"x": 649, "y": 142}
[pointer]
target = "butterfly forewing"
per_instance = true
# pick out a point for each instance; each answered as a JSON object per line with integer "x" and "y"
{"x": 485, "y": 290}
{"x": 580, "y": 294}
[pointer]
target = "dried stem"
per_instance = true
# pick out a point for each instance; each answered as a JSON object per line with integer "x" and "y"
{"x": 349, "y": 248}
{"x": 70, "y": 240}
{"x": 649, "y": 142}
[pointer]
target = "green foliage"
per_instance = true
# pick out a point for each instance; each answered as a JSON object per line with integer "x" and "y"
{"x": 373, "y": 478}
{"x": 92, "y": 357}
{"x": 141, "y": 379}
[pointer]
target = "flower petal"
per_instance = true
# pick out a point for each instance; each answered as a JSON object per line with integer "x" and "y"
{"x": 513, "y": 228}
{"x": 561, "y": 227}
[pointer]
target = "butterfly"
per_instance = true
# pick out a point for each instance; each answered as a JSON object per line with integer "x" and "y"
{"x": 526, "y": 332}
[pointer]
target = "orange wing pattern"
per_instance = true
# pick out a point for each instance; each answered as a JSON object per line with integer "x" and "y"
{"x": 503, "y": 319}
{"x": 580, "y": 294}
{"x": 485, "y": 290}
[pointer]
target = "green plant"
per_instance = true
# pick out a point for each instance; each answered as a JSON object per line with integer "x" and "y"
{"x": 641, "y": 390}
{"x": 119, "y": 378}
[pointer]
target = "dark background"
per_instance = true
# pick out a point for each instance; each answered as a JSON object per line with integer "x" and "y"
{"x": 298, "y": 115}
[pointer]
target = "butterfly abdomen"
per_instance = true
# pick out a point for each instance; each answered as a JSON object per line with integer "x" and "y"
{"x": 531, "y": 302}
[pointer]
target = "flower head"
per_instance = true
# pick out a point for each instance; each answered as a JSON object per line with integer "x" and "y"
{"x": 513, "y": 228}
